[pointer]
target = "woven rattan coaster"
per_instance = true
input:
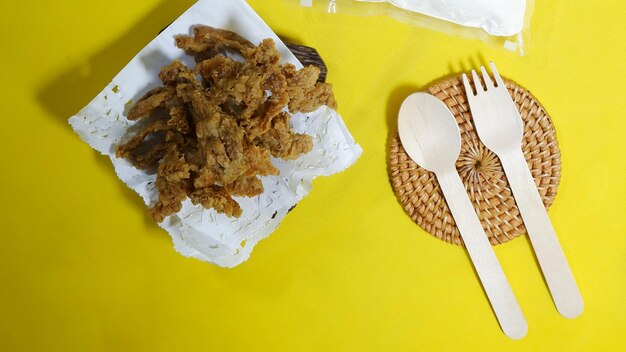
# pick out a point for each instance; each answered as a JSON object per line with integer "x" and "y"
{"x": 480, "y": 169}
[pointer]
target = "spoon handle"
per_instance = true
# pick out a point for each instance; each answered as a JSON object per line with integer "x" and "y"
{"x": 556, "y": 271}
{"x": 486, "y": 263}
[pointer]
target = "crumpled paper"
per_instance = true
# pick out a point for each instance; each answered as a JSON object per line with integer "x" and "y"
{"x": 197, "y": 232}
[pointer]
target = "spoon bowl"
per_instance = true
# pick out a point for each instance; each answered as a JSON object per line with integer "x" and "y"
{"x": 429, "y": 132}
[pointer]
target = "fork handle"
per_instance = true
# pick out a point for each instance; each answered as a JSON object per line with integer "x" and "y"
{"x": 481, "y": 253}
{"x": 556, "y": 271}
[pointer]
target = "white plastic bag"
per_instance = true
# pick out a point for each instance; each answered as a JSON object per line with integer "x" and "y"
{"x": 499, "y": 23}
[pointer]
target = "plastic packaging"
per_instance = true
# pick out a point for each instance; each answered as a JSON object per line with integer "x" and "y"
{"x": 499, "y": 23}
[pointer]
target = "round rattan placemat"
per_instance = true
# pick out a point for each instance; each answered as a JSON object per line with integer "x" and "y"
{"x": 418, "y": 191}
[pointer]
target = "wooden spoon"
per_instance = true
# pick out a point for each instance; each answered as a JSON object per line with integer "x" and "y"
{"x": 431, "y": 137}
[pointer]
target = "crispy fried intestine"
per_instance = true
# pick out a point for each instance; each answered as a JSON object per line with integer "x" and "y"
{"x": 210, "y": 131}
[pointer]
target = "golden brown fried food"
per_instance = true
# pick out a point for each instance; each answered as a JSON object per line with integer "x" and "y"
{"x": 210, "y": 131}
{"x": 282, "y": 141}
{"x": 156, "y": 98}
{"x": 305, "y": 94}
{"x": 207, "y": 41}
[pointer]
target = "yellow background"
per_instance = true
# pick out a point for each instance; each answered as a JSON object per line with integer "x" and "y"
{"x": 82, "y": 268}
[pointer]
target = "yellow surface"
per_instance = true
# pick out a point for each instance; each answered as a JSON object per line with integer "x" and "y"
{"x": 83, "y": 269}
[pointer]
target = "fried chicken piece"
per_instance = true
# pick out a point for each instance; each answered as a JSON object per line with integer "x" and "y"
{"x": 259, "y": 161}
{"x": 179, "y": 118}
{"x": 265, "y": 54}
{"x": 143, "y": 158}
{"x": 208, "y": 41}
{"x": 218, "y": 70}
{"x": 282, "y": 141}
{"x": 245, "y": 187}
{"x": 125, "y": 150}
{"x": 210, "y": 131}
{"x": 221, "y": 137}
{"x": 176, "y": 73}
{"x": 305, "y": 93}
{"x": 240, "y": 88}
{"x": 229, "y": 151}
{"x": 173, "y": 183}
{"x": 243, "y": 84}
{"x": 157, "y": 97}
{"x": 148, "y": 159}
{"x": 217, "y": 198}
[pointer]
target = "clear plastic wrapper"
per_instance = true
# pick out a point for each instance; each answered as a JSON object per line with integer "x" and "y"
{"x": 502, "y": 24}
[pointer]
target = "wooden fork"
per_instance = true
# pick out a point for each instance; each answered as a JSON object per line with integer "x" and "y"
{"x": 500, "y": 128}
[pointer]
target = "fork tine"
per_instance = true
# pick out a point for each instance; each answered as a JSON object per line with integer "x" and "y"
{"x": 477, "y": 84}
{"x": 486, "y": 78}
{"x": 468, "y": 89}
{"x": 495, "y": 74}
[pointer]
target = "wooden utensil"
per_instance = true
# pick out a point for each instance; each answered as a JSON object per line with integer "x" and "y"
{"x": 431, "y": 137}
{"x": 500, "y": 127}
